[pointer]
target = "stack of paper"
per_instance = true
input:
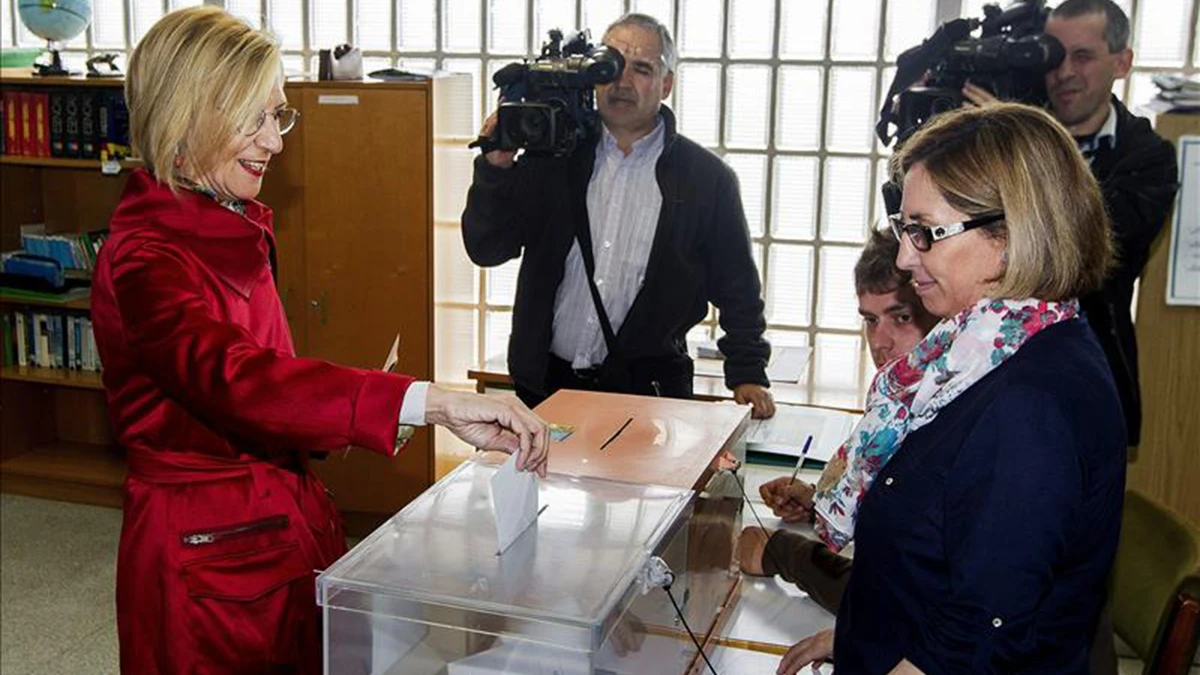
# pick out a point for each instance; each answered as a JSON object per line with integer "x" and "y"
{"x": 1175, "y": 94}
{"x": 786, "y": 432}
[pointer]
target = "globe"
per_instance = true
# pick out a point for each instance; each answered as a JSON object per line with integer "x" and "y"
{"x": 55, "y": 21}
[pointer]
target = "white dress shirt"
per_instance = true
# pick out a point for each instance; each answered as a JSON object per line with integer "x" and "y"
{"x": 623, "y": 203}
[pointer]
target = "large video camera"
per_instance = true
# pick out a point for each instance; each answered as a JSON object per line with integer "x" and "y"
{"x": 1010, "y": 58}
{"x": 550, "y": 103}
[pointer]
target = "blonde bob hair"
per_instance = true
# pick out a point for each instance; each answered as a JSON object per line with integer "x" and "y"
{"x": 197, "y": 78}
{"x": 1018, "y": 159}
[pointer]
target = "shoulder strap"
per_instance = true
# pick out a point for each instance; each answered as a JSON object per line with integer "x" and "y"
{"x": 583, "y": 235}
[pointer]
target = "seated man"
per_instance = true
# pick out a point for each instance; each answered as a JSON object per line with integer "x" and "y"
{"x": 894, "y": 321}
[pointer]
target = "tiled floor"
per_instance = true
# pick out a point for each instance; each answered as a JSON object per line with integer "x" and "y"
{"x": 57, "y": 565}
{"x": 57, "y": 562}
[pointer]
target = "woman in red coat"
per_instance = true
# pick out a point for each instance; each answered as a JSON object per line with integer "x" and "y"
{"x": 224, "y": 521}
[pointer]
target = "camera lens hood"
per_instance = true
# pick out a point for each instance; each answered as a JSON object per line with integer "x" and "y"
{"x": 606, "y": 65}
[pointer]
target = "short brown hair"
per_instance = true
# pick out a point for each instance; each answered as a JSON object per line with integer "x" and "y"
{"x": 1116, "y": 24}
{"x": 197, "y": 76}
{"x": 1018, "y": 159}
{"x": 876, "y": 272}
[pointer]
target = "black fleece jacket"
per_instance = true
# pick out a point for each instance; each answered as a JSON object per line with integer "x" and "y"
{"x": 1138, "y": 179}
{"x": 701, "y": 253}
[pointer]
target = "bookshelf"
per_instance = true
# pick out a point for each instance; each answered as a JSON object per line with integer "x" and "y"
{"x": 355, "y": 253}
{"x": 65, "y": 163}
{"x": 57, "y": 377}
{"x": 55, "y": 440}
{"x": 67, "y": 471}
{"x": 8, "y": 299}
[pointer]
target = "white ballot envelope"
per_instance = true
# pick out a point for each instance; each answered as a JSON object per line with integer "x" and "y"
{"x": 515, "y": 502}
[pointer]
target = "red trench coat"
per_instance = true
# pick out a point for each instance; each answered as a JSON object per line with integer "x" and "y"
{"x": 223, "y": 524}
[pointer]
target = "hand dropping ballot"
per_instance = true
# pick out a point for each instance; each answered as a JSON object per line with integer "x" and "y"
{"x": 514, "y": 501}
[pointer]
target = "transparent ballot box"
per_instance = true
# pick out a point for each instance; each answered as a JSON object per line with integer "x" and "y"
{"x": 577, "y": 593}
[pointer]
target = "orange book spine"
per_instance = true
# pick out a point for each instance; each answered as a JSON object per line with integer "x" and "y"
{"x": 12, "y": 143}
{"x": 41, "y": 128}
{"x": 26, "y": 118}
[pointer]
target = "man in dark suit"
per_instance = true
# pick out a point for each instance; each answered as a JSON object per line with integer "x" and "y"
{"x": 1134, "y": 166}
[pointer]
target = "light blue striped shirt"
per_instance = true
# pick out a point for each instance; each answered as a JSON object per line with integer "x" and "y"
{"x": 623, "y": 202}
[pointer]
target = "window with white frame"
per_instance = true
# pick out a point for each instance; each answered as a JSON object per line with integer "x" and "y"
{"x": 787, "y": 91}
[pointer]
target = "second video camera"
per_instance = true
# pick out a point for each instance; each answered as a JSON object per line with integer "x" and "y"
{"x": 1010, "y": 58}
{"x": 550, "y": 103}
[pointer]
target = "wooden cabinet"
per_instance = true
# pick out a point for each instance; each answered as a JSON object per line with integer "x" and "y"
{"x": 353, "y": 200}
{"x": 352, "y": 195}
{"x": 1166, "y": 466}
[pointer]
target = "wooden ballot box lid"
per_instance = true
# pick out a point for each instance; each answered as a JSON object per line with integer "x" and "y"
{"x": 662, "y": 441}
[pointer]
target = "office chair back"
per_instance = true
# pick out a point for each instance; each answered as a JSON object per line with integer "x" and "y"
{"x": 1156, "y": 586}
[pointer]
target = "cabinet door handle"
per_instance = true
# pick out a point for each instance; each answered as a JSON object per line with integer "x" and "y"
{"x": 319, "y": 305}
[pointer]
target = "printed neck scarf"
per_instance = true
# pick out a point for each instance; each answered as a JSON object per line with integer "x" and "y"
{"x": 910, "y": 391}
{"x": 235, "y": 205}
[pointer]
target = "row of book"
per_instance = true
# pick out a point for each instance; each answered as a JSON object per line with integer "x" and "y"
{"x": 69, "y": 122}
{"x": 72, "y": 250}
{"x": 50, "y": 340}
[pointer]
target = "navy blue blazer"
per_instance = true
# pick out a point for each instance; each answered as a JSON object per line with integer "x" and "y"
{"x": 985, "y": 544}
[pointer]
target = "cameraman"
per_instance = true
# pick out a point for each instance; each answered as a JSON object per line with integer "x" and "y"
{"x": 1134, "y": 166}
{"x": 663, "y": 218}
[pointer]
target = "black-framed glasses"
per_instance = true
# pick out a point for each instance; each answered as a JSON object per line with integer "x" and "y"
{"x": 285, "y": 119}
{"x": 923, "y": 237}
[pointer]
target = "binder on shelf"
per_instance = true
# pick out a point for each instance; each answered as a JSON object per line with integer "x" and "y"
{"x": 77, "y": 340}
{"x": 12, "y": 122}
{"x": 56, "y": 341}
{"x": 21, "y": 329}
{"x": 71, "y": 122}
{"x": 94, "y": 363}
{"x": 26, "y": 100}
{"x": 42, "y": 345}
{"x": 88, "y": 126}
{"x": 9, "y": 350}
{"x": 41, "y": 124}
{"x": 12, "y": 144}
{"x": 58, "y": 147}
{"x": 113, "y": 126}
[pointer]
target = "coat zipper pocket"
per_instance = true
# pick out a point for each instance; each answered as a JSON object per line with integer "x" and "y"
{"x": 203, "y": 537}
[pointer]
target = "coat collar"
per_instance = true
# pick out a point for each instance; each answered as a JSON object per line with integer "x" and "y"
{"x": 234, "y": 246}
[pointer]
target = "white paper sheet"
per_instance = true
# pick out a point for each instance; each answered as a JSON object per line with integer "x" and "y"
{"x": 786, "y": 432}
{"x": 787, "y": 363}
{"x": 1183, "y": 270}
{"x": 393, "y": 356}
{"x": 514, "y": 501}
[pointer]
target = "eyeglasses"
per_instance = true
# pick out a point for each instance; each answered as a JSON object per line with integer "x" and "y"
{"x": 285, "y": 119}
{"x": 923, "y": 237}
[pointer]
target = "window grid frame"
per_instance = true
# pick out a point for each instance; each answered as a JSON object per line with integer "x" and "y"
{"x": 945, "y": 9}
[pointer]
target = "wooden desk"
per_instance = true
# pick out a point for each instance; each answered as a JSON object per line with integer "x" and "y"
{"x": 830, "y": 381}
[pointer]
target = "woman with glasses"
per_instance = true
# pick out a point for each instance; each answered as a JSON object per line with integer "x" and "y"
{"x": 224, "y": 520}
{"x": 983, "y": 487}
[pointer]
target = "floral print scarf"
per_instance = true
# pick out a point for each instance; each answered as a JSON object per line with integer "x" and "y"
{"x": 909, "y": 392}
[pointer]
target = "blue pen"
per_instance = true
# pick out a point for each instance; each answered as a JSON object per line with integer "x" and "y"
{"x": 800, "y": 461}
